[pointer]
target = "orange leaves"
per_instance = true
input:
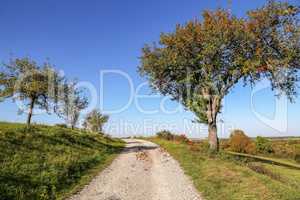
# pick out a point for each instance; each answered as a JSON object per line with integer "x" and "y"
{"x": 262, "y": 69}
{"x": 240, "y": 142}
{"x": 222, "y": 49}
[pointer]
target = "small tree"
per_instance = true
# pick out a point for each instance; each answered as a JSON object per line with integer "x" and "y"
{"x": 263, "y": 145}
{"x": 22, "y": 79}
{"x": 201, "y": 62}
{"x": 70, "y": 103}
{"x": 95, "y": 120}
{"x": 167, "y": 135}
{"x": 240, "y": 142}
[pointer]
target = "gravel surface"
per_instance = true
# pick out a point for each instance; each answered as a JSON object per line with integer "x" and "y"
{"x": 142, "y": 172}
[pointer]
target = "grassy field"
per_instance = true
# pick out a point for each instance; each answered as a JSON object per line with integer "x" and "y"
{"x": 287, "y": 148}
{"x": 226, "y": 178}
{"x": 45, "y": 162}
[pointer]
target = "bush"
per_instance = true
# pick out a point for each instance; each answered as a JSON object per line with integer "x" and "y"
{"x": 251, "y": 149}
{"x": 241, "y": 143}
{"x": 167, "y": 135}
{"x": 224, "y": 144}
{"x": 263, "y": 145}
{"x": 61, "y": 125}
{"x": 283, "y": 149}
{"x": 181, "y": 138}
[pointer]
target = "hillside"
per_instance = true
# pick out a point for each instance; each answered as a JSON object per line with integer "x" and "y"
{"x": 44, "y": 162}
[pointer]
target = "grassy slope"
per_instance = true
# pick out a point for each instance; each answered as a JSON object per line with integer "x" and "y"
{"x": 219, "y": 178}
{"x": 49, "y": 162}
{"x": 277, "y": 161}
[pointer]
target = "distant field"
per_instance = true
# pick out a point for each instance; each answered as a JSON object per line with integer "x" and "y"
{"x": 45, "y": 162}
{"x": 283, "y": 147}
{"x": 226, "y": 177}
{"x": 271, "y": 138}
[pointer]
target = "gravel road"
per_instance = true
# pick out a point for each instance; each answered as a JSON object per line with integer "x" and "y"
{"x": 142, "y": 172}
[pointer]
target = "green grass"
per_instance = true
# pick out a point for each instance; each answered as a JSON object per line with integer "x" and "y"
{"x": 44, "y": 162}
{"x": 281, "y": 162}
{"x": 223, "y": 177}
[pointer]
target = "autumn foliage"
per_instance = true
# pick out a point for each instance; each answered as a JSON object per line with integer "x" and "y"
{"x": 200, "y": 62}
{"x": 167, "y": 135}
{"x": 241, "y": 143}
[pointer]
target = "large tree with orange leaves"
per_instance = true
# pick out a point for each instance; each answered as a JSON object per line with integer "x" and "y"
{"x": 201, "y": 61}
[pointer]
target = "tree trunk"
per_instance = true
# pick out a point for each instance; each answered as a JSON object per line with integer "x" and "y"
{"x": 212, "y": 112}
{"x": 31, "y": 106}
{"x": 213, "y": 137}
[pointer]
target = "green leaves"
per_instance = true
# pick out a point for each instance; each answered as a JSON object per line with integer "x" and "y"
{"x": 25, "y": 80}
{"x": 274, "y": 30}
{"x": 95, "y": 120}
{"x": 71, "y": 102}
{"x": 201, "y": 61}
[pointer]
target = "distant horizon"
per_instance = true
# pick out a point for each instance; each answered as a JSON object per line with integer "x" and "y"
{"x": 149, "y": 135}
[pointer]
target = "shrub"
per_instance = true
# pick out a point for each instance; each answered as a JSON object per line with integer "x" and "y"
{"x": 263, "y": 145}
{"x": 283, "y": 149}
{"x": 224, "y": 144}
{"x": 61, "y": 125}
{"x": 250, "y": 149}
{"x": 240, "y": 142}
{"x": 167, "y": 135}
{"x": 181, "y": 138}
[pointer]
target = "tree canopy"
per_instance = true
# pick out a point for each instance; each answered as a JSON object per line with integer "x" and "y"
{"x": 95, "y": 120}
{"x": 200, "y": 62}
{"x": 71, "y": 102}
{"x": 23, "y": 79}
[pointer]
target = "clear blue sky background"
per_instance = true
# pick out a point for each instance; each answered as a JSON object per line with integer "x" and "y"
{"x": 84, "y": 37}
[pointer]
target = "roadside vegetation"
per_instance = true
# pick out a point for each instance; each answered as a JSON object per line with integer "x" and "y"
{"x": 44, "y": 162}
{"x": 229, "y": 176}
{"x": 287, "y": 149}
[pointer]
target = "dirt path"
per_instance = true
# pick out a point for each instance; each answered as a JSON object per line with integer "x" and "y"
{"x": 142, "y": 172}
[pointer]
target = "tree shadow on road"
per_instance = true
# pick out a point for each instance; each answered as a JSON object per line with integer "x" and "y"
{"x": 138, "y": 149}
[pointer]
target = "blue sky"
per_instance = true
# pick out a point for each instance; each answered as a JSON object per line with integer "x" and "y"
{"x": 83, "y": 38}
